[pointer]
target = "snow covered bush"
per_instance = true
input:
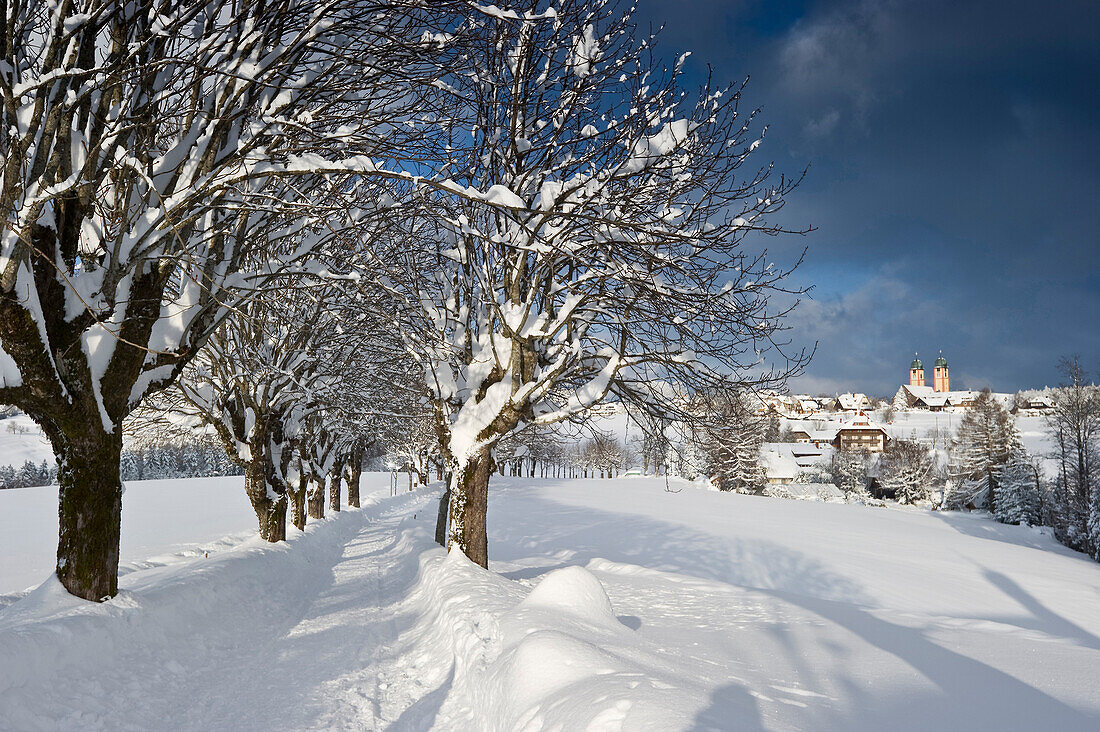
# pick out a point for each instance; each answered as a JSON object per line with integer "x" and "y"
{"x": 849, "y": 473}
{"x": 907, "y": 469}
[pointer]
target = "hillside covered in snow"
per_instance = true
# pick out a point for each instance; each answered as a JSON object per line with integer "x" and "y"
{"x": 610, "y": 604}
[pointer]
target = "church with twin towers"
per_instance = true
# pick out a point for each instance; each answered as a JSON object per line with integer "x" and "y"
{"x": 941, "y": 379}
{"x": 937, "y": 397}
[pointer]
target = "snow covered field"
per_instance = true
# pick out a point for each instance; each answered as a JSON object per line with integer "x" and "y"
{"x": 158, "y": 517}
{"x": 613, "y": 605}
{"x": 21, "y": 440}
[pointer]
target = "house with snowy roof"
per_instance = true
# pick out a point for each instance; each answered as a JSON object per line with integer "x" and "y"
{"x": 783, "y": 461}
{"x": 851, "y": 402}
{"x": 1032, "y": 403}
{"x": 860, "y": 433}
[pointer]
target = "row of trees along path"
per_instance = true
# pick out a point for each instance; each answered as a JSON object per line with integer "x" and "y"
{"x": 302, "y": 227}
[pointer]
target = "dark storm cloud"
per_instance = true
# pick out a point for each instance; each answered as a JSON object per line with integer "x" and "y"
{"x": 954, "y": 156}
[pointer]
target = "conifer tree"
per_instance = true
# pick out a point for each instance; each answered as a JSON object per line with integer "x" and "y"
{"x": 984, "y": 442}
{"x": 1018, "y": 499}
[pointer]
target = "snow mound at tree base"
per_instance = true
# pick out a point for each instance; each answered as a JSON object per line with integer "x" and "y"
{"x": 552, "y": 658}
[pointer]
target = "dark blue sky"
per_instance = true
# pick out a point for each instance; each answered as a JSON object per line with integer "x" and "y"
{"x": 954, "y": 179}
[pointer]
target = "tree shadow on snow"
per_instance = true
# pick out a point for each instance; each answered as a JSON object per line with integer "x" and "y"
{"x": 593, "y": 534}
{"x": 970, "y": 694}
{"x": 731, "y": 707}
{"x": 982, "y": 526}
{"x": 1046, "y": 619}
{"x": 421, "y": 715}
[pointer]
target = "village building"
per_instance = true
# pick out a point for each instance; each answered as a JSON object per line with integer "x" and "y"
{"x": 927, "y": 398}
{"x": 783, "y": 461}
{"x": 804, "y": 434}
{"x": 785, "y": 405}
{"x": 860, "y": 434}
{"x": 1032, "y": 404}
{"x": 851, "y": 403}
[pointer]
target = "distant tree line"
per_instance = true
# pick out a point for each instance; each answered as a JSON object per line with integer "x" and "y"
{"x": 28, "y": 476}
{"x": 200, "y": 458}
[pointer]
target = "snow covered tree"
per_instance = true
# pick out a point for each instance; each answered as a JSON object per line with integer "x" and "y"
{"x": 848, "y": 469}
{"x": 1074, "y": 426}
{"x": 587, "y": 239}
{"x": 143, "y": 142}
{"x": 1018, "y": 494}
{"x": 414, "y": 441}
{"x": 655, "y": 439}
{"x": 604, "y": 453}
{"x": 772, "y": 430}
{"x": 729, "y": 439}
{"x": 985, "y": 440}
{"x": 295, "y": 384}
{"x": 908, "y": 468}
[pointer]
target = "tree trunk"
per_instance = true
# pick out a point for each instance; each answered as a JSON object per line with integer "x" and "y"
{"x": 270, "y": 510}
{"x": 441, "y": 517}
{"x": 334, "y": 487}
{"x": 89, "y": 514}
{"x": 315, "y": 500}
{"x": 355, "y": 472}
{"x": 469, "y": 504}
{"x": 298, "y": 503}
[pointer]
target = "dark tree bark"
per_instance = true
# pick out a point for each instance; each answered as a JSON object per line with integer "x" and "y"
{"x": 89, "y": 514}
{"x": 270, "y": 510}
{"x": 441, "y": 517}
{"x": 298, "y": 503}
{"x": 469, "y": 504}
{"x": 355, "y": 472}
{"x": 315, "y": 501}
{"x": 334, "y": 486}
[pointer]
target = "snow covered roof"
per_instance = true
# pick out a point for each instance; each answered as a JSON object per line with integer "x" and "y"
{"x": 860, "y": 422}
{"x": 813, "y": 491}
{"x": 778, "y": 465}
{"x": 788, "y": 456}
{"x": 852, "y": 402}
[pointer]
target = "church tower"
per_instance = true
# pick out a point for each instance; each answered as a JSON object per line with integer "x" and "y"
{"x": 916, "y": 373}
{"x": 941, "y": 381}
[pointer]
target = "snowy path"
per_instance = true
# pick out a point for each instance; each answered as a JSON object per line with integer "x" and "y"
{"x": 693, "y": 610}
{"x": 258, "y": 637}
